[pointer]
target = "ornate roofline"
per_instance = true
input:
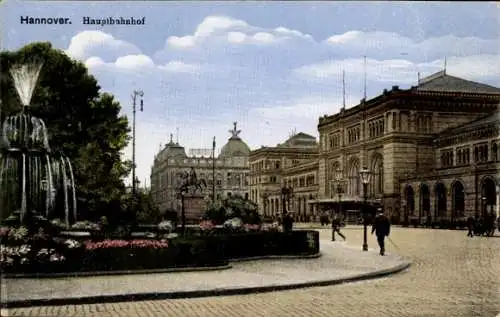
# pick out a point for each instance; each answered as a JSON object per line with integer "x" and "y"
{"x": 395, "y": 94}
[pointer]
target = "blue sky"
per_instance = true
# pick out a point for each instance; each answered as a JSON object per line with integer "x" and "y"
{"x": 271, "y": 66}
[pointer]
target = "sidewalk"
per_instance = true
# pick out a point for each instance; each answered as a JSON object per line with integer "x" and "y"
{"x": 338, "y": 264}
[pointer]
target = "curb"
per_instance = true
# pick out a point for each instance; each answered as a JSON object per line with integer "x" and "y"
{"x": 278, "y": 257}
{"x": 198, "y": 294}
{"x": 152, "y": 271}
{"x": 117, "y": 272}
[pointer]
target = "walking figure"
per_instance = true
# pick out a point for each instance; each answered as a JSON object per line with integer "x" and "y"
{"x": 287, "y": 222}
{"x": 336, "y": 227}
{"x": 382, "y": 228}
{"x": 470, "y": 226}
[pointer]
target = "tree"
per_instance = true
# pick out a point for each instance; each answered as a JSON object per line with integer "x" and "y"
{"x": 81, "y": 121}
{"x": 147, "y": 211}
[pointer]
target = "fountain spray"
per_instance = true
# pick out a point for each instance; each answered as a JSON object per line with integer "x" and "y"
{"x": 32, "y": 178}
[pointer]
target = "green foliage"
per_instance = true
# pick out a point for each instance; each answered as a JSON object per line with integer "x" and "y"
{"x": 82, "y": 122}
{"x": 234, "y": 206}
{"x": 146, "y": 211}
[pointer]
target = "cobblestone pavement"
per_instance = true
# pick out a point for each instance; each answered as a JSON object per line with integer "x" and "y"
{"x": 451, "y": 275}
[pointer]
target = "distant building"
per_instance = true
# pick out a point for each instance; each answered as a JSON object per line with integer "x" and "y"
{"x": 231, "y": 171}
{"x": 292, "y": 164}
{"x": 432, "y": 150}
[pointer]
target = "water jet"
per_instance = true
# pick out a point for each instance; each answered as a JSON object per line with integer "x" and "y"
{"x": 35, "y": 183}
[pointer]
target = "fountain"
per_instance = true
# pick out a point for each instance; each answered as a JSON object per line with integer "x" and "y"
{"x": 35, "y": 183}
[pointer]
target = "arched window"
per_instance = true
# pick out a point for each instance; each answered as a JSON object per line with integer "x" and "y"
{"x": 410, "y": 200}
{"x": 425, "y": 201}
{"x": 440, "y": 193}
{"x": 488, "y": 196}
{"x": 458, "y": 200}
{"x": 354, "y": 180}
{"x": 377, "y": 178}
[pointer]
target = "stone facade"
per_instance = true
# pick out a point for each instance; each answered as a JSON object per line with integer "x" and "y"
{"x": 404, "y": 137}
{"x": 292, "y": 164}
{"x": 230, "y": 170}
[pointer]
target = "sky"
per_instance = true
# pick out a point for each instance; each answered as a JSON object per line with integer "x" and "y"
{"x": 273, "y": 67}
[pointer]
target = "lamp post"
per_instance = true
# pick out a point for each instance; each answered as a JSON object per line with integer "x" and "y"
{"x": 265, "y": 197}
{"x": 364, "y": 174}
{"x": 213, "y": 170}
{"x": 182, "y": 191}
{"x": 483, "y": 206}
{"x": 340, "y": 181}
{"x": 135, "y": 93}
{"x": 405, "y": 208}
{"x": 286, "y": 193}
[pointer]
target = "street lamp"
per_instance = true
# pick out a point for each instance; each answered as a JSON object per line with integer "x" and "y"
{"x": 135, "y": 93}
{"x": 483, "y": 206}
{"x": 340, "y": 181}
{"x": 213, "y": 169}
{"x": 405, "y": 208}
{"x": 364, "y": 174}
{"x": 182, "y": 192}
{"x": 265, "y": 197}
{"x": 286, "y": 193}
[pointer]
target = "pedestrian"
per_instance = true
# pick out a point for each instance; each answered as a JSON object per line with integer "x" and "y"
{"x": 382, "y": 228}
{"x": 470, "y": 226}
{"x": 336, "y": 227}
{"x": 287, "y": 222}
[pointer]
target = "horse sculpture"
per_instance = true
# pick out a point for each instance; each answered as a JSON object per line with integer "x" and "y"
{"x": 192, "y": 181}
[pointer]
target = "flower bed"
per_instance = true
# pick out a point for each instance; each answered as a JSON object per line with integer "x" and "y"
{"x": 37, "y": 252}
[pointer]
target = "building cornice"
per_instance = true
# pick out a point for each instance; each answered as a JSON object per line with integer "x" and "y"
{"x": 397, "y": 98}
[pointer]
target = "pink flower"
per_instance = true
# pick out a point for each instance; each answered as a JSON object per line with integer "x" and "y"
{"x": 152, "y": 244}
{"x": 4, "y": 231}
{"x": 251, "y": 227}
{"x": 206, "y": 225}
{"x": 139, "y": 243}
{"x": 106, "y": 244}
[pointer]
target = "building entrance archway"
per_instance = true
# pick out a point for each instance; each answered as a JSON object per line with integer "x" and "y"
{"x": 458, "y": 200}
{"x": 488, "y": 196}
{"x": 440, "y": 193}
{"x": 425, "y": 201}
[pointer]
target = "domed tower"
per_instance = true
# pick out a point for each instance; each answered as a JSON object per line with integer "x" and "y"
{"x": 235, "y": 145}
{"x": 174, "y": 150}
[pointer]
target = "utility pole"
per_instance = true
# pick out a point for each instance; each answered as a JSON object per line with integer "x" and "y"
{"x": 364, "y": 77}
{"x": 135, "y": 93}
{"x": 343, "y": 89}
{"x": 213, "y": 170}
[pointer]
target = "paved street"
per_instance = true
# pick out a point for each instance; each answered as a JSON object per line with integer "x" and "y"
{"x": 451, "y": 275}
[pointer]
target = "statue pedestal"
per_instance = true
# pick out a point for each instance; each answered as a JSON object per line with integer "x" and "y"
{"x": 194, "y": 206}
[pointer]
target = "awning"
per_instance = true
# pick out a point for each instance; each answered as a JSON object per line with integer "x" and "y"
{"x": 343, "y": 199}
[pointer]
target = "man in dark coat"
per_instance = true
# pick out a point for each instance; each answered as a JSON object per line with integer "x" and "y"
{"x": 470, "y": 226}
{"x": 382, "y": 228}
{"x": 336, "y": 227}
{"x": 287, "y": 222}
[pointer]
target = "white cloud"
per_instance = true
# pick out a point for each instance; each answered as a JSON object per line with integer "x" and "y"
{"x": 96, "y": 43}
{"x": 233, "y": 31}
{"x": 140, "y": 64}
{"x": 393, "y": 44}
{"x": 403, "y": 71}
{"x": 180, "y": 67}
{"x": 213, "y": 24}
{"x": 134, "y": 62}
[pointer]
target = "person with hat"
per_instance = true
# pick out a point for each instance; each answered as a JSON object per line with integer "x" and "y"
{"x": 382, "y": 228}
{"x": 336, "y": 224}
